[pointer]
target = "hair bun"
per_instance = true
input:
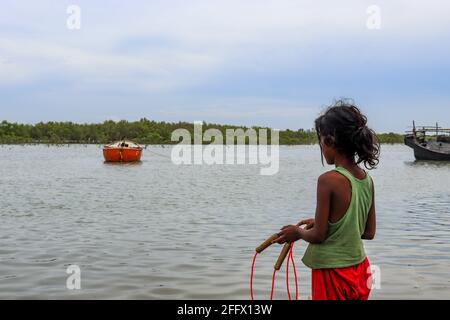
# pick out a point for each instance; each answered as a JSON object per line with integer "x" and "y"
{"x": 359, "y": 130}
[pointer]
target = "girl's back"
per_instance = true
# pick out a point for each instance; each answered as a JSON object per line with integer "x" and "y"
{"x": 350, "y": 203}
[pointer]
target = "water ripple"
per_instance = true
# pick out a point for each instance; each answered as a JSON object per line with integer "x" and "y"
{"x": 160, "y": 231}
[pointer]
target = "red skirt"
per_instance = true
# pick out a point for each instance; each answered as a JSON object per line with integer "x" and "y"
{"x": 350, "y": 283}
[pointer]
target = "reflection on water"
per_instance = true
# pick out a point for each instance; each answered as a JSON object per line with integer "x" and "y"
{"x": 123, "y": 164}
{"x": 153, "y": 230}
{"x": 419, "y": 163}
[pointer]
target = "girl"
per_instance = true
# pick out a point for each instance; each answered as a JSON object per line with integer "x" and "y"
{"x": 345, "y": 211}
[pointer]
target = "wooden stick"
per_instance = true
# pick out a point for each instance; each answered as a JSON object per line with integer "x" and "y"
{"x": 284, "y": 252}
{"x": 266, "y": 243}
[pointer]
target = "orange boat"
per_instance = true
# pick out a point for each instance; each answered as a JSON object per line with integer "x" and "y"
{"x": 122, "y": 151}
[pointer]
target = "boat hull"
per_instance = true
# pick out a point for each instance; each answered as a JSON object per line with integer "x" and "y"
{"x": 424, "y": 153}
{"x": 122, "y": 154}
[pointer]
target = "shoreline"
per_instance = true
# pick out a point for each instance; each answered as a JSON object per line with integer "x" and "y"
{"x": 144, "y": 132}
{"x": 2, "y": 144}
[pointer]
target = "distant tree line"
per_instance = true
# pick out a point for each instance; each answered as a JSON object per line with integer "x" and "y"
{"x": 143, "y": 131}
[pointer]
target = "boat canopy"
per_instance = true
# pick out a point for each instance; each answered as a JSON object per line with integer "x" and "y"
{"x": 123, "y": 144}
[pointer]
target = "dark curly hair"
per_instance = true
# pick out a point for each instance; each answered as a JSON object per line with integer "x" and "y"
{"x": 344, "y": 127}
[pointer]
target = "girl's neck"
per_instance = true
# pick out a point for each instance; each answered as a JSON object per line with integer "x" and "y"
{"x": 350, "y": 165}
{"x": 345, "y": 162}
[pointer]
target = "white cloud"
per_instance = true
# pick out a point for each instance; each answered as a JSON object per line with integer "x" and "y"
{"x": 29, "y": 59}
{"x": 207, "y": 36}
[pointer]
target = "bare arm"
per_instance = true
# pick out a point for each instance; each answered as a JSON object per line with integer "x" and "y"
{"x": 371, "y": 224}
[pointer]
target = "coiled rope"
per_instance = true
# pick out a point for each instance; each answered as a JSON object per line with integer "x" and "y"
{"x": 290, "y": 259}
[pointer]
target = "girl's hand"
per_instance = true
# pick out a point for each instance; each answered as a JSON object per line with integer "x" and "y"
{"x": 308, "y": 222}
{"x": 288, "y": 234}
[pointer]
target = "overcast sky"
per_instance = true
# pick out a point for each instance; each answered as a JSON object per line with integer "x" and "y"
{"x": 254, "y": 62}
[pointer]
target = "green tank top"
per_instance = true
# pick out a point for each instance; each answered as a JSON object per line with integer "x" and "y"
{"x": 343, "y": 246}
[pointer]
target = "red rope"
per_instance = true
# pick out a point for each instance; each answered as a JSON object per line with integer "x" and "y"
{"x": 287, "y": 272}
{"x": 273, "y": 283}
{"x": 251, "y": 275}
{"x": 289, "y": 259}
{"x": 295, "y": 273}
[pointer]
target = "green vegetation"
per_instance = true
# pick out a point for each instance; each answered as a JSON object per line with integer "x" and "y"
{"x": 143, "y": 131}
{"x": 390, "y": 138}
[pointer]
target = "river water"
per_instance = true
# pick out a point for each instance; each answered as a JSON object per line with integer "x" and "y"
{"x": 156, "y": 230}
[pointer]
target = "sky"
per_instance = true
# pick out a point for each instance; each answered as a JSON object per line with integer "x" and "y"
{"x": 275, "y": 63}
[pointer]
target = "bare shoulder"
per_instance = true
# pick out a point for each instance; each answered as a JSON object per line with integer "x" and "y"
{"x": 331, "y": 178}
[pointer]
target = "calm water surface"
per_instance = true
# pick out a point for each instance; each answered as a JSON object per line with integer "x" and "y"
{"x": 155, "y": 230}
